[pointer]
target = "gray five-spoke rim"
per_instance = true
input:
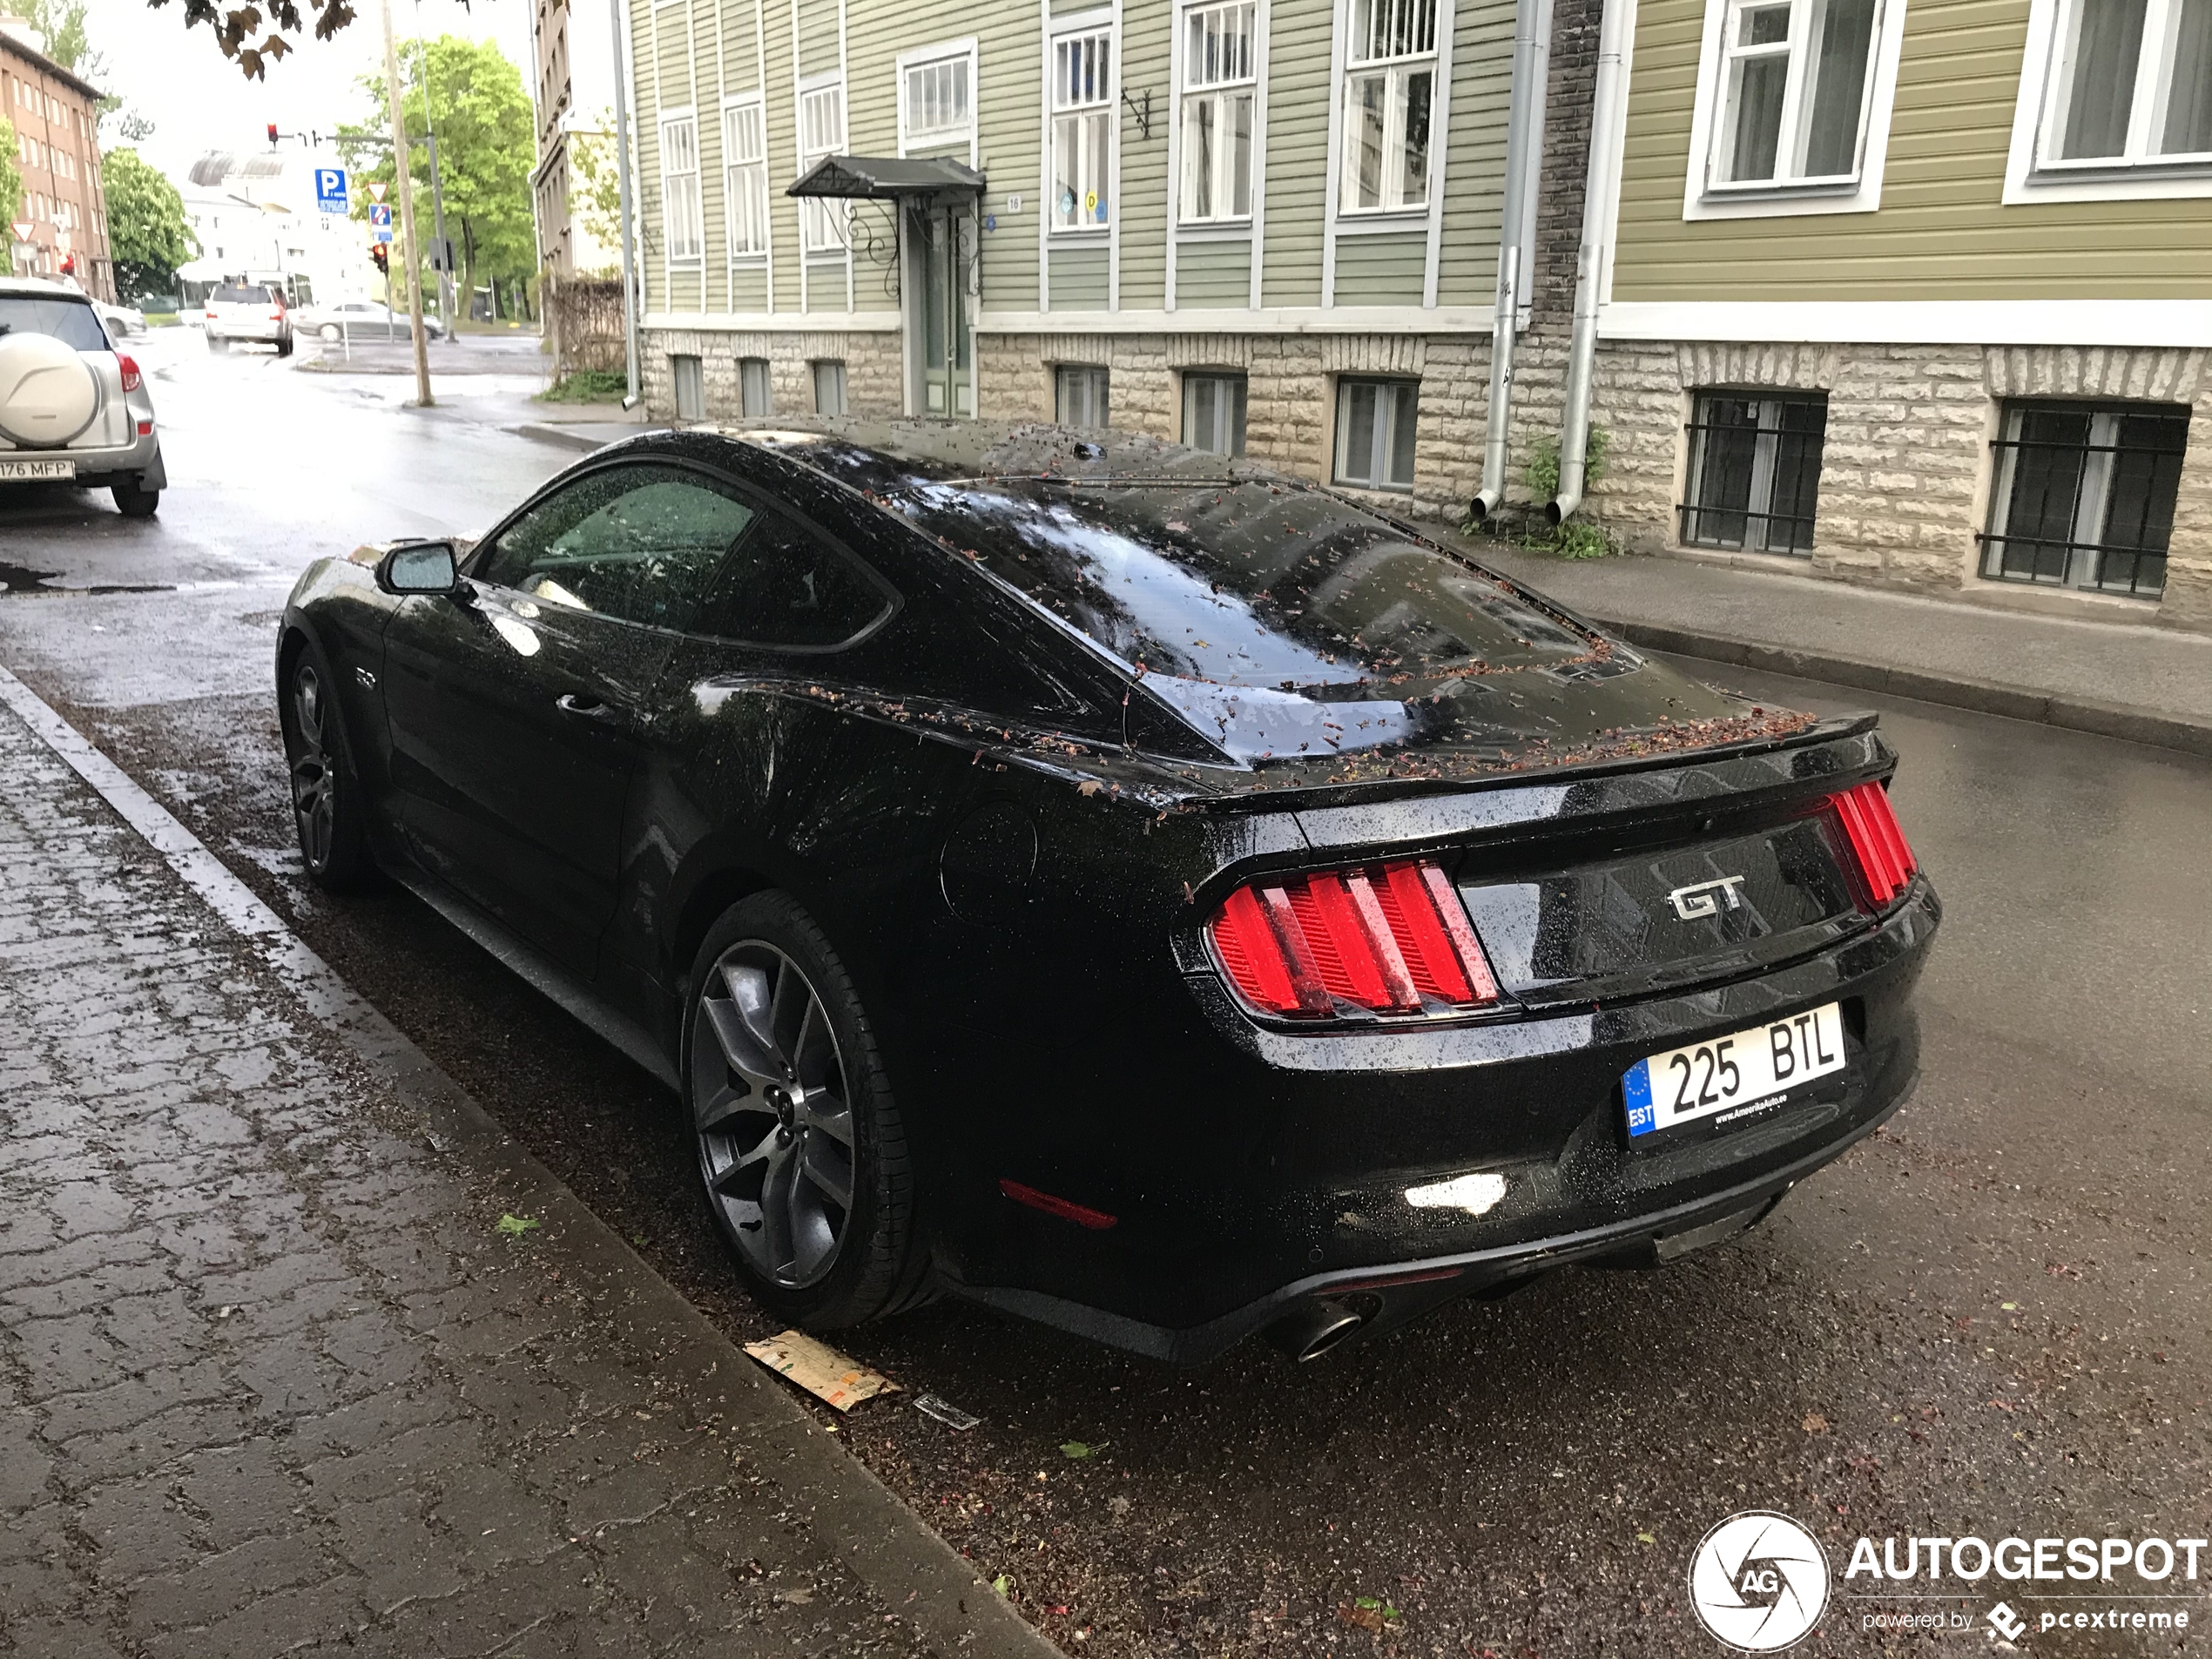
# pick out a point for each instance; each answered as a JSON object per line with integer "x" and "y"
{"x": 773, "y": 1119}
{"x": 312, "y": 799}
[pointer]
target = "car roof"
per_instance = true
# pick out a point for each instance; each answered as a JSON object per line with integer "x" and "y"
{"x": 40, "y": 288}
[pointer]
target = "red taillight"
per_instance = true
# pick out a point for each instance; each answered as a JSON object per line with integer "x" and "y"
{"x": 132, "y": 379}
{"x": 1394, "y": 939}
{"x": 1877, "y": 841}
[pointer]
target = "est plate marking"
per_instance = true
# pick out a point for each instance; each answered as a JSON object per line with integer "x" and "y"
{"x": 38, "y": 469}
{"x": 1734, "y": 1076}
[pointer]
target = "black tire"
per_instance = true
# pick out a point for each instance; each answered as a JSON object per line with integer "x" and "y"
{"x": 219, "y": 343}
{"x": 330, "y": 331}
{"x": 135, "y": 501}
{"x": 768, "y": 987}
{"x": 284, "y": 346}
{"x": 328, "y": 812}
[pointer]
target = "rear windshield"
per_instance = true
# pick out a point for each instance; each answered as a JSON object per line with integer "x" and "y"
{"x": 71, "y": 321}
{"x": 1244, "y": 583}
{"x": 242, "y": 297}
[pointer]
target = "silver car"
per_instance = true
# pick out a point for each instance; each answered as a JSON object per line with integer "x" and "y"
{"x": 73, "y": 408}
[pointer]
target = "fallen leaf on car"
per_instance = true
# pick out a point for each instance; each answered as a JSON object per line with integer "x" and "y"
{"x": 1002, "y": 1584}
{"x": 1080, "y": 1448}
{"x": 796, "y": 1598}
{"x": 819, "y": 1369}
{"x": 1089, "y": 786}
{"x": 1646, "y": 1538}
{"x": 1814, "y": 1424}
{"x": 1368, "y": 1613}
{"x": 515, "y": 1227}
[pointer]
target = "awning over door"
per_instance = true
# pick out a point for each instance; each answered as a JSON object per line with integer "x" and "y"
{"x": 886, "y": 177}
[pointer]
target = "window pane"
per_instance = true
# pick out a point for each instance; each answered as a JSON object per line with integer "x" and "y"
{"x": 1412, "y": 177}
{"x": 753, "y": 387}
{"x": 1200, "y": 115}
{"x": 2102, "y": 89}
{"x": 1368, "y": 97}
{"x": 2044, "y": 503}
{"x": 1839, "y": 88}
{"x": 829, "y": 387}
{"x": 1720, "y": 496}
{"x": 1240, "y": 154}
{"x": 782, "y": 586}
{"x": 1757, "y": 114}
{"x": 1384, "y": 28}
{"x": 635, "y": 542}
{"x": 2188, "y": 102}
{"x": 1403, "y": 399}
{"x": 1356, "y": 437}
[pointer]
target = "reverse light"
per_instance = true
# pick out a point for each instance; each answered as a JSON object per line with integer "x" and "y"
{"x": 132, "y": 379}
{"x": 1391, "y": 940}
{"x": 1877, "y": 841}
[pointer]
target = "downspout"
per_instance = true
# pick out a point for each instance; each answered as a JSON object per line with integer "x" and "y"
{"x": 1524, "y": 156}
{"x": 622, "y": 181}
{"x": 1601, "y": 194}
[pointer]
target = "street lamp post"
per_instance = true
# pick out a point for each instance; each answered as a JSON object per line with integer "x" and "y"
{"x": 409, "y": 249}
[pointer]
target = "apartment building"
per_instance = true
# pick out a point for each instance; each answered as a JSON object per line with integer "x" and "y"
{"x": 571, "y": 91}
{"x": 56, "y": 117}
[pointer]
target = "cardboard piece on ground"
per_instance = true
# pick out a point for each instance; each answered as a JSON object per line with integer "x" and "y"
{"x": 820, "y": 1370}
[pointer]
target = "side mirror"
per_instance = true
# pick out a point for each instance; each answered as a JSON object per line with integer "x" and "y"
{"x": 418, "y": 567}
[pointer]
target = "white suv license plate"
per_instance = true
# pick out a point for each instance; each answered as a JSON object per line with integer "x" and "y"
{"x": 1733, "y": 1077}
{"x": 22, "y": 470}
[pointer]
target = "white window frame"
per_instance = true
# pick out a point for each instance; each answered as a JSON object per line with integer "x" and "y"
{"x": 927, "y": 58}
{"x": 683, "y": 209}
{"x": 825, "y": 226}
{"x": 1097, "y": 381}
{"x": 1382, "y": 442}
{"x": 1106, "y": 102}
{"x": 1194, "y": 92}
{"x": 744, "y": 183}
{"x": 1857, "y": 193}
{"x": 2030, "y": 178}
{"x": 1397, "y": 70}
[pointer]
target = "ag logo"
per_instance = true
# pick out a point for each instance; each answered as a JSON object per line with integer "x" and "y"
{"x": 1759, "y": 1581}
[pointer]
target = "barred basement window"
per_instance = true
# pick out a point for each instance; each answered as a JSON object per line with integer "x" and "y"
{"x": 829, "y": 387}
{"x": 689, "y": 375}
{"x": 2084, "y": 495}
{"x": 1079, "y": 395}
{"x": 753, "y": 388}
{"x": 1375, "y": 433}
{"x": 1213, "y": 413}
{"x": 1754, "y": 471}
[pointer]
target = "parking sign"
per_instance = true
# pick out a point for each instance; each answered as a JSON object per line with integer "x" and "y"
{"x": 330, "y": 190}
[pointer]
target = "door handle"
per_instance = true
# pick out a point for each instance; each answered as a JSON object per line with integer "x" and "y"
{"x": 585, "y": 708}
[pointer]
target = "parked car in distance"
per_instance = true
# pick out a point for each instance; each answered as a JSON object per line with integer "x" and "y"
{"x": 362, "y": 320}
{"x": 122, "y": 320}
{"x": 1114, "y": 883}
{"x": 254, "y": 314}
{"x": 73, "y": 408}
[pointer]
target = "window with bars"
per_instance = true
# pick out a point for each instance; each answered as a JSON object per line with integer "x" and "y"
{"x": 1375, "y": 424}
{"x": 745, "y": 177}
{"x": 822, "y": 224}
{"x": 1220, "y": 52}
{"x": 2130, "y": 84}
{"x": 1082, "y": 131}
{"x": 936, "y": 95}
{"x": 1794, "y": 81}
{"x": 1213, "y": 413}
{"x": 683, "y": 220}
{"x": 1389, "y": 85}
{"x": 1079, "y": 395}
{"x": 2084, "y": 494}
{"x": 1754, "y": 470}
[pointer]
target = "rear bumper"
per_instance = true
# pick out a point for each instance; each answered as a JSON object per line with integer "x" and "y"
{"x": 267, "y": 334}
{"x": 136, "y": 463}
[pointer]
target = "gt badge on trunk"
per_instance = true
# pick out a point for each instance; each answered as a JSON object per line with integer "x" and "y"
{"x": 1732, "y": 1078}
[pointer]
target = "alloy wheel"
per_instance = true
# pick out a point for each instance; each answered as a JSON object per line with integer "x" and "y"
{"x": 313, "y": 786}
{"x": 770, "y": 1107}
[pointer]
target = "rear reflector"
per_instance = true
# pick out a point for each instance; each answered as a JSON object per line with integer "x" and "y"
{"x": 1877, "y": 841}
{"x": 1394, "y": 939}
{"x": 1066, "y": 1209}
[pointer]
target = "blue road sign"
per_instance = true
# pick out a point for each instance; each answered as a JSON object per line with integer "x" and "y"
{"x": 330, "y": 190}
{"x": 384, "y": 235}
{"x": 379, "y": 215}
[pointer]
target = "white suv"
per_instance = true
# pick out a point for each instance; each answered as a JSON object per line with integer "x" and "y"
{"x": 73, "y": 408}
{"x": 254, "y": 311}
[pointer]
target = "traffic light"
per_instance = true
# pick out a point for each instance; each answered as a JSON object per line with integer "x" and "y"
{"x": 273, "y": 135}
{"x": 382, "y": 257}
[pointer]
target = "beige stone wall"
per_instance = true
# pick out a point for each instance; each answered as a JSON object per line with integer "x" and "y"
{"x": 874, "y": 370}
{"x": 1906, "y": 471}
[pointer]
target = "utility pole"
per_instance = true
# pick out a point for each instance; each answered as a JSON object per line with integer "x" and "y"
{"x": 622, "y": 177}
{"x": 443, "y": 264}
{"x": 411, "y": 252}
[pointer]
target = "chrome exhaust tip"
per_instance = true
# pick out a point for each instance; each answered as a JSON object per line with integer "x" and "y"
{"x": 1313, "y": 1328}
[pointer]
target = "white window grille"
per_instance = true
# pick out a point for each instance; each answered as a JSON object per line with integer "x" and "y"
{"x": 744, "y": 177}
{"x": 1375, "y": 421}
{"x": 1389, "y": 88}
{"x": 684, "y": 221}
{"x": 821, "y": 133}
{"x": 1082, "y": 131}
{"x": 2130, "y": 86}
{"x": 1079, "y": 395}
{"x": 937, "y": 101}
{"x": 1795, "y": 79}
{"x": 1213, "y": 413}
{"x": 1220, "y": 48}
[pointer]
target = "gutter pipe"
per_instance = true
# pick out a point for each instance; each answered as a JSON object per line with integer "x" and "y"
{"x": 1601, "y": 197}
{"x": 1524, "y": 156}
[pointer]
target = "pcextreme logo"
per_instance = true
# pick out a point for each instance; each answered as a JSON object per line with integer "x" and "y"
{"x": 1759, "y": 1581}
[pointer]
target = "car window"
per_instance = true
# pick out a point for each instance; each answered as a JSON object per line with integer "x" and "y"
{"x": 237, "y": 296}
{"x": 782, "y": 585}
{"x": 71, "y": 322}
{"x": 638, "y": 542}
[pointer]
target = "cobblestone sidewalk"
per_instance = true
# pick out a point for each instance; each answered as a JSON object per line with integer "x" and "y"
{"x": 272, "y": 1378}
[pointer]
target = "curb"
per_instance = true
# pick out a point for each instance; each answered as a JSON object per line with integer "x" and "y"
{"x": 2121, "y": 721}
{"x": 871, "y": 1530}
{"x": 545, "y": 432}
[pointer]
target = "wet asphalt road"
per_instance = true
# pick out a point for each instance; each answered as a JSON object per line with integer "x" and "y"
{"x": 1990, "y": 1319}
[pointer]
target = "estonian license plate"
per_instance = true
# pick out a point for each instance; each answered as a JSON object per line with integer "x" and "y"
{"x": 41, "y": 468}
{"x": 1730, "y": 1078}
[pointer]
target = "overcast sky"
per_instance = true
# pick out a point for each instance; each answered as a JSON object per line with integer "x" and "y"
{"x": 178, "y": 78}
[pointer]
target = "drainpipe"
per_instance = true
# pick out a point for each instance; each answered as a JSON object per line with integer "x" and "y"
{"x": 1524, "y": 156}
{"x": 622, "y": 181}
{"x": 1601, "y": 194}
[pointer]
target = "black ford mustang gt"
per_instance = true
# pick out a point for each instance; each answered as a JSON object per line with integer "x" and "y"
{"x": 1122, "y": 887}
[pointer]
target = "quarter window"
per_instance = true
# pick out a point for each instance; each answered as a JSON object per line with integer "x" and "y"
{"x": 1082, "y": 131}
{"x": 2131, "y": 82}
{"x": 679, "y": 179}
{"x": 1213, "y": 413}
{"x": 782, "y": 586}
{"x": 2084, "y": 495}
{"x": 1754, "y": 471}
{"x": 1794, "y": 79}
{"x": 745, "y": 156}
{"x": 936, "y": 100}
{"x": 1079, "y": 395}
{"x": 1389, "y": 85}
{"x": 1375, "y": 433}
{"x": 1219, "y": 84}
{"x": 821, "y": 134}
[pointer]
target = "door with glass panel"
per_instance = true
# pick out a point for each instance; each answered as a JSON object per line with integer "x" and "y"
{"x": 941, "y": 237}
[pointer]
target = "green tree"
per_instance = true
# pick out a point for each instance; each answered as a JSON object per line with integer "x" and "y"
{"x": 11, "y": 182}
{"x": 145, "y": 226}
{"x": 67, "y": 43}
{"x": 476, "y": 102}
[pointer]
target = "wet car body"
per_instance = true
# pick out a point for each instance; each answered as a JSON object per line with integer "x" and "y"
{"x": 1105, "y": 686}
